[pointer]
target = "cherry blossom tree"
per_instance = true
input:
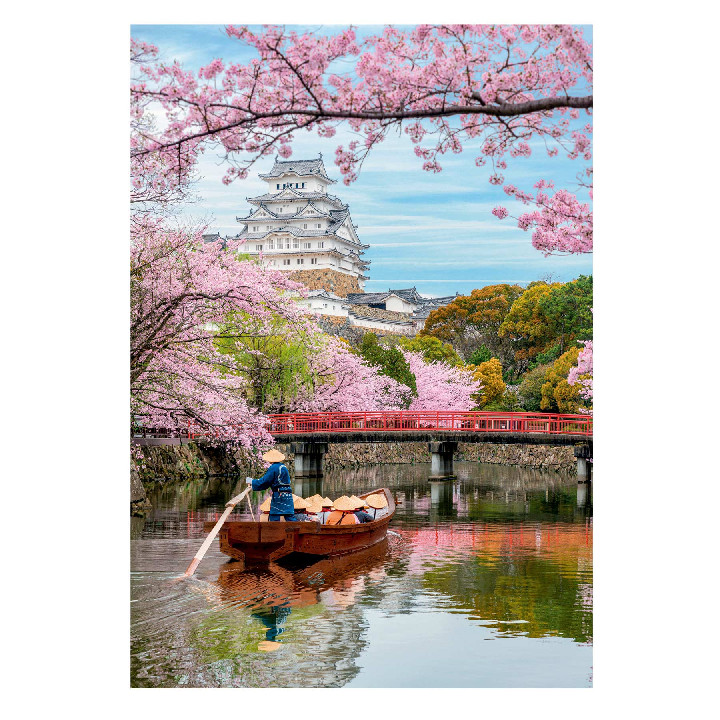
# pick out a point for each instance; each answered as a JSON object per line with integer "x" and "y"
{"x": 583, "y": 372}
{"x": 441, "y": 386}
{"x": 499, "y": 90}
{"x": 344, "y": 382}
{"x": 182, "y": 290}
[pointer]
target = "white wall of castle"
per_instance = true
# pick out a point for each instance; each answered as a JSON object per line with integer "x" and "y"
{"x": 398, "y": 304}
{"x": 314, "y": 261}
{"x": 372, "y": 324}
{"x": 324, "y": 306}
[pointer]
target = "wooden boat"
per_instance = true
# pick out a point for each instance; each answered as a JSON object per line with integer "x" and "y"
{"x": 263, "y": 542}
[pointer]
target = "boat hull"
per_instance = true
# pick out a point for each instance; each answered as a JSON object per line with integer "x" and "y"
{"x": 263, "y": 542}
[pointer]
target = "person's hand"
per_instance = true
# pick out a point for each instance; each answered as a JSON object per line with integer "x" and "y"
{"x": 248, "y": 480}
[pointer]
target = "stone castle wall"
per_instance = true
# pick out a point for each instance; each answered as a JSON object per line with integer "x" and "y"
{"x": 378, "y": 313}
{"x": 329, "y": 280}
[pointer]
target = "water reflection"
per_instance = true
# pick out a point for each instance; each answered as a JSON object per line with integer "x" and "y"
{"x": 506, "y": 550}
{"x": 442, "y": 498}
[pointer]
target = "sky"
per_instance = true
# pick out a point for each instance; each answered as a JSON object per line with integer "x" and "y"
{"x": 433, "y": 231}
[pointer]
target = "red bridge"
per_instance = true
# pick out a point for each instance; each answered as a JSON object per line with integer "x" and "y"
{"x": 404, "y": 422}
{"x": 310, "y": 433}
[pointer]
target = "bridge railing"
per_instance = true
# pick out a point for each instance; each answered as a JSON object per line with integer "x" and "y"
{"x": 409, "y": 421}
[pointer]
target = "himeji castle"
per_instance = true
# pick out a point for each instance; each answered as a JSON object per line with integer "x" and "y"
{"x": 298, "y": 226}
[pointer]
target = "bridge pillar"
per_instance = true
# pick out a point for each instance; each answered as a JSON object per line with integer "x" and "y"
{"x": 309, "y": 458}
{"x": 583, "y": 455}
{"x": 441, "y": 455}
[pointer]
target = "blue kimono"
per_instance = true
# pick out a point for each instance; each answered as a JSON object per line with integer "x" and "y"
{"x": 277, "y": 478}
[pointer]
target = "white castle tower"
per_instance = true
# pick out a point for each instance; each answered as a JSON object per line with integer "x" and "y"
{"x": 299, "y": 227}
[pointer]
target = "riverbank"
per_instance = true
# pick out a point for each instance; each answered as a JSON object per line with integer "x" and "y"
{"x": 156, "y": 465}
{"x": 153, "y": 465}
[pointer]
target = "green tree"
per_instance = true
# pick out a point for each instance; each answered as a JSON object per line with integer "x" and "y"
{"x": 388, "y": 360}
{"x": 568, "y": 311}
{"x": 507, "y": 402}
{"x": 273, "y": 356}
{"x": 557, "y": 394}
{"x": 480, "y": 355}
{"x": 531, "y": 388}
{"x": 432, "y": 349}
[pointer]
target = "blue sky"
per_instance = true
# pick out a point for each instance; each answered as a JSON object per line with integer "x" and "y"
{"x": 432, "y": 231}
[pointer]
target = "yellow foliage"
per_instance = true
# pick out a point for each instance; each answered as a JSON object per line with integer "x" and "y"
{"x": 489, "y": 373}
{"x": 557, "y": 394}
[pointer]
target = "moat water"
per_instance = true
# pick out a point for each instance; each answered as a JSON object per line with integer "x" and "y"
{"x": 484, "y": 581}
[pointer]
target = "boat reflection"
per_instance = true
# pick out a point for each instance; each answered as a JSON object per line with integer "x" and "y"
{"x": 273, "y": 590}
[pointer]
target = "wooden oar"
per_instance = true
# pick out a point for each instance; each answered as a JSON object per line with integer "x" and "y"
{"x": 252, "y": 514}
{"x": 229, "y": 507}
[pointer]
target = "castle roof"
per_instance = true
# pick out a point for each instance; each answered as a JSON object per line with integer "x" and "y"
{"x": 367, "y": 298}
{"x": 408, "y": 294}
{"x": 291, "y": 193}
{"x": 302, "y": 213}
{"x": 298, "y": 167}
{"x": 324, "y": 294}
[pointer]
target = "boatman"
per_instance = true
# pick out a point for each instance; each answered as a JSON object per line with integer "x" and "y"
{"x": 277, "y": 478}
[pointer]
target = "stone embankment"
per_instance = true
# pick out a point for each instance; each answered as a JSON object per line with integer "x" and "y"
{"x": 156, "y": 465}
{"x": 166, "y": 463}
{"x": 548, "y": 457}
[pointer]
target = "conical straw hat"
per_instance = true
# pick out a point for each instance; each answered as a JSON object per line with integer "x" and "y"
{"x": 326, "y": 502}
{"x": 344, "y": 503}
{"x": 314, "y": 498}
{"x": 299, "y": 503}
{"x": 314, "y": 508}
{"x": 265, "y": 507}
{"x": 358, "y": 502}
{"x": 273, "y": 456}
{"x": 377, "y": 501}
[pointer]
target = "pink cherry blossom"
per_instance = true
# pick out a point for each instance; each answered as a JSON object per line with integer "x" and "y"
{"x": 583, "y": 372}
{"x": 441, "y": 386}
{"x": 501, "y": 87}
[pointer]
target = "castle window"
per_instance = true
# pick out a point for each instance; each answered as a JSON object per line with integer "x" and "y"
{"x": 286, "y": 262}
{"x": 324, "y": 305}
{"x": 319, "y": 225}
{"x": 287, "y": 243}
{"x": 256, "y": 228}
{"x": 307, "y": 246}
{"x": 258, "y": 248}
{"x": 313, "y": 261}
{"x": 267, "y": 227}
{"x": 321, "y": 244}
{"x": 303, "y": 184}
{"x": 296, "y": 243}
{"x": 305, "y": 226}
{"x": 301, "y": 262}
{"x": 271, "y": 244}
{"x": 277, "y": 186}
